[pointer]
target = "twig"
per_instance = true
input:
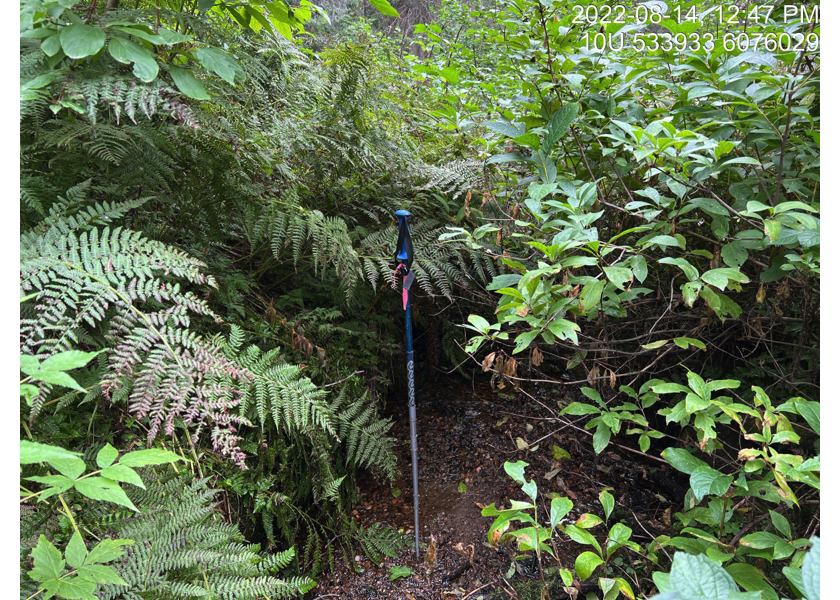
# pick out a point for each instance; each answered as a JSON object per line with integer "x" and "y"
{"x": 476, "y": 589}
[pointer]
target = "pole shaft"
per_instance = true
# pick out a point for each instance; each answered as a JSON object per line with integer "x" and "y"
{"x": 412, "y": 417}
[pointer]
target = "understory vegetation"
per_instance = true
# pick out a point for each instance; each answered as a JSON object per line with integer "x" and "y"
{"x": 208, "y": 318}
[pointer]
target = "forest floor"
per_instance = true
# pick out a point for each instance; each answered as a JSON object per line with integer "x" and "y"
{"x": 466, "y": 431}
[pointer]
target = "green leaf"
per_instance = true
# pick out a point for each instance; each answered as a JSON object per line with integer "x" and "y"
{"x": 385, "y": 8}
{"x": 51, "y": 45}
{"x": 720, "y": 277}
{"x": 685, "y": 342}
{"x": 682, "y": 460}
{"x": 560, "y": 507}
{"x": 106, "y": 456}
{"x": 772, "y": 229}
{"x": 220, "y": 62}
{"x": 559, "y": 453}
{"x": 588, "y": 521}
{"x": 205, "y": 5}
{"x": 33, "y": 452}
{"x": 559, "y": 124}
{"x": 608, "y": 502}
{"x": 163, "y": 37}
{"x": 29, "y": 364}
{"x": 751, "y": 579}
{"x": 516, "y": 470}
{"x": 690, "y": 271}
{"x": 79, "y": 40}
{"x": 48, "y": 563}
{"x": 601, "y": 438}
{"x": 69, "y": 467}
{"x": 127, "y": 52}
{"x": 581, "y": 536}
{"x": 761, "y": 540}
{"x": 58, "y": 484}
{"x": 57, "y": 378}
{"x": 700, "y": 578}
{"x": 586, "y": 563}
{"x": 462, "y": 487}
{"x": 565, "y": 330}
{"x": 76, "y": 552}
{"x": 122, "y": 473}
{"x": 705, "y": 480}
{"x": 107, "y": 550}
{"x": 76, "y": 588}
{"x": 579, "y": 408}
{"x": 655, "y": 345}
{"x": 781, "y": 524}
{"x": 188, "y": 84}
{"x": 153, "y": 456}
{"x": 100, "y": 574}
{"x": 591, "y": 294}
{"x": 397, "y": 572}
{"x": 65, "y": 361}
{"x": 524, "y": 339}
{"x": 100, "y": 488}
{"x": 811, "y": 571}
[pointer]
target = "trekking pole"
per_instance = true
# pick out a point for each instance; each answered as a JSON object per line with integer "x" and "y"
{"x": 404, "y": 256}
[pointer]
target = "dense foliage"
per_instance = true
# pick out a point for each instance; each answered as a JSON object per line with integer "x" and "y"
{"x": 207, "y": 194}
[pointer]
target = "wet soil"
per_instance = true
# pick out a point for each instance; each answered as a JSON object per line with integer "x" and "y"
{"x": 466, "y": 432}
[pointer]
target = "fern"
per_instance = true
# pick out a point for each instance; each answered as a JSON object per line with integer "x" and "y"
{"x": 183, "y": 549}
{"x": 90, "y": 277}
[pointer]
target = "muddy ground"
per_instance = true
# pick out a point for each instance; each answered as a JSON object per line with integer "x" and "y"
{"x": 466, "y": 431}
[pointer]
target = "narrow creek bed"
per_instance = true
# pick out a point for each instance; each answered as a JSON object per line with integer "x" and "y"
{"x": 466, "y": 432}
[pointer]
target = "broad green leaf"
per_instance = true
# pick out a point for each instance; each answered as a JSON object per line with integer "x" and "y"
{"x": 51, "y": 45}
{"x": 690, "y": 272}
{"x": 79, "y": 40}
{"x": 586, "y": 563}
{"x": 29, "y": 364}
{"x": 608, "y": 502}
{"x": 559, "y": 453}
{"x": 601, "y": 438}
{"x": 57, "y": 378}
{"x": 811, "y": 571}
{"x": 76, "y": 588}
{"x": 700, "y": 578}
{"x": 397, "y": 572}
{"x": 655, "y": 345}
{"x": 205, "y": 5}
{"x": 106, "y": 551}
{"x": 48, "y": 563}
{"x": 705, "y": 480}
{"x": 385, "y": 8}
{"x": 751, "y": 579}
{"x": 588, "y": 521}
{"x": 516, "y": 470}
{"x": 125, "y": 51}
{"x": 559, "y": 124}
{"x": 682, "y": 460}
{"x": 781, "y": 524}
{"x": 188, "y": 84}
{"x": 100, "y": 488}
{"x": 560, "y": 507}
{"x": 581, "y": 536}
{"x": 106, "y": 456}
{"x": 100, "y": 574}
{"x": 591, "y": 294}
{"x": 153, "y": 456}
{"x": 122, "y": 473}
{"x": 69, "y": 467}
{"x": 76, "y": 552}
{"x": 65, "y": 361}
{"x": 524, "y": 339}
{"x": 511, "y": 130}
{"x": 33, "y": 452}
{"x": 565, "y": 330}
{"x": 761, "y": 540}
{"x": 57, "y": 484}
{"x": 579, "y": 408}
{"x": 530, "y": 488}
{"x": 685, "y": 342}
{"x": 221, "y": 63}
{"x": 163, "y": 37}
{"x": 772, "y": 229}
